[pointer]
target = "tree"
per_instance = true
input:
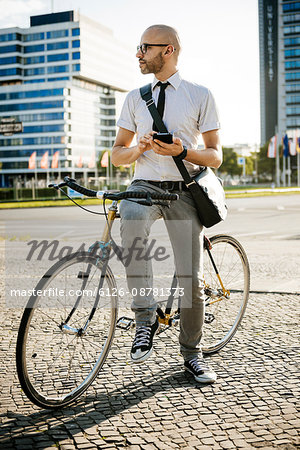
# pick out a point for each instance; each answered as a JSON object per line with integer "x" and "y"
{"x": 230, "y": 164}
{"x": 266, "y": 167}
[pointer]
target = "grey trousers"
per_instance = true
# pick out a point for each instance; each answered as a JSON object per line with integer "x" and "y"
{"x": 136, "y": 221}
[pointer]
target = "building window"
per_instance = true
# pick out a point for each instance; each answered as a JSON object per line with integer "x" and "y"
{"x": 291, "y": 41}
{"x": 33, "y": 37}
{"x": 104, "y": 143}
{"x": 292, "y": 53}
{"x": 58, "y": 69}
{"x": 108, "y": 133}
{"x": 34, "y": 59}
{"x": 10, "y": 37}
{"x": 18, "y": 153}
{"x": 57, "y": 34}
{"x": 76, "y": 67}
{"x": 11, "y": 60}
{"x": 34, "y": 71}
{"x": 43, "y": 128}
{"x": 40, "y": 117}
{"x": 293, "y": 122}
{"x": 57, "y": 45}
{"x": 107, "y": 112}
{"x": 107, "y": 123}
{"x": 107, "y": 101}
{"x": 37, "y": 105}
{"x": 58, "y": 57}
{"x": 291, "y": 7}
{"x": 76, "y": 32}
{"x": 31, "y": 94}
{"x": 292, "y": 87}
{"x": 48, "y": 140}
{"x": 11, "y": 49}
{"x": 34, "y": 48}
{"x": 293, "y": 111}
{"x": 76, "y": 44}
{"x": 291, "y": 30}
{"x": 58, "y": 78}
{"x": 292, "y": 65}
{"x": 76, "y": 55}
{"x": 35, "y": 80}
{"x": 292, "y": 76}
{"x": 293, "y": 99}
{"x": 291, "y": 18}
{"x": 9, "y": 72}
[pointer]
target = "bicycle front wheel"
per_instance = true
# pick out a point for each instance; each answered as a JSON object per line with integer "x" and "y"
{"x": 66, "y": 330}
{"x": 227, "y": 281}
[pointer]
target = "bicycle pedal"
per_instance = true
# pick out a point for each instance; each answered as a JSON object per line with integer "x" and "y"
{"x": 125, "y": 323}
{"x": 82, "y": 275}
{"x": 209, "y": 318}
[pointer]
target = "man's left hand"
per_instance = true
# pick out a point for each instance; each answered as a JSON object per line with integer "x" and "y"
{"x": 161, "y": 148}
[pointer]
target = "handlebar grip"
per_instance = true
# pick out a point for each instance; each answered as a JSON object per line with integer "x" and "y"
{"x": 80, "y": 189}
{"x": 140, "y": 194}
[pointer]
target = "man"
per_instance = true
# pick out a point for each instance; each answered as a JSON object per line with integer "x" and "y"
{"x": 189, "y": 110}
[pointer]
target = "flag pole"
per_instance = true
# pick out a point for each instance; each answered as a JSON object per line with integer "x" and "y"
{"x": 110, "y": 169}
{"x": 107, "y": 174}
{"x": 277, "y": 158}
{"x": 283, "y": 170}
{"x": 59, "y": 174}
{"x": 298, "y": 169}
{"x": 96, "y": 173}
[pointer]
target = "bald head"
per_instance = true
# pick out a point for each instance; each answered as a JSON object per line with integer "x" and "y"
{"x": 166, "y": 34}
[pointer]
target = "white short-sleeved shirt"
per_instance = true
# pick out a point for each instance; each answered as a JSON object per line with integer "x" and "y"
{"x": 190, "y": 110}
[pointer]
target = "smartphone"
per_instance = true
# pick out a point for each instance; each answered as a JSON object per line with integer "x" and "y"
{"x": 167, "y": 138}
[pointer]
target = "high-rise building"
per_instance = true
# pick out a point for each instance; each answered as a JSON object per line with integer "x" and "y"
{"x": 59, "y": 77}
{"x": 279, "y": 32}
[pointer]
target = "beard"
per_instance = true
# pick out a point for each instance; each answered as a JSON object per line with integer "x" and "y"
{"x": 153, "y": 66}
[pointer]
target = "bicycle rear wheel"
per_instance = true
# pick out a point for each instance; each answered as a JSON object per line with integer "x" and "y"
{"x": 57, "y": 359}
{"x": 225, "y": 305}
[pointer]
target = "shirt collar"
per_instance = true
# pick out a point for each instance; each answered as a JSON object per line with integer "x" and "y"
{"x": 174, "y": 80}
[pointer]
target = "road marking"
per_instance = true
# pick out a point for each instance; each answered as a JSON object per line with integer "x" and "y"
{"x": 285, "y": 236}
{"x": 254, "y": 233}
{"x": 280, "y": 207}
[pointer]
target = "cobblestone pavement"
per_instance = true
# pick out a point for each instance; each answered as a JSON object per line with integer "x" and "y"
{"x": 157, "y": 405}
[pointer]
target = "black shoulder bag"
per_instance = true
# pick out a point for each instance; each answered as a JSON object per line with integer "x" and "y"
{"x": 206, "y": 189}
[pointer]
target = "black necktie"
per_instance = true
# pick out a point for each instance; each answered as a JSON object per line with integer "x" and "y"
{"x": 161, "y": 100}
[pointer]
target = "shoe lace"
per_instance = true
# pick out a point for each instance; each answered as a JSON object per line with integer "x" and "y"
{"x": 142, "y": 336}
{"x": 198, "y": 364}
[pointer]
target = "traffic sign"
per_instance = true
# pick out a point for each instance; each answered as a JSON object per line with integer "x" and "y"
{"x": 9, "y": 126}
{"x": 74, "y": 194}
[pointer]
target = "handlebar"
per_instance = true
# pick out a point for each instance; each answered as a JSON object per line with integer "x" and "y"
{"x": 110, "y": 195}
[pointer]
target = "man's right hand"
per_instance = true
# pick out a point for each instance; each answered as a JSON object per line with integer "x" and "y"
{"x": 122, "y": 153}
{"x": 143, "y": 145}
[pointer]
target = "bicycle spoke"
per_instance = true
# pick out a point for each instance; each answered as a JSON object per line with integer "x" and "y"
{"x": 58, "y": 364}
{"x": 225, "y": 314}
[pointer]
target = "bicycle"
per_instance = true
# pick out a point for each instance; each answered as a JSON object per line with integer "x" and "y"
{"x": 61, "y": 348}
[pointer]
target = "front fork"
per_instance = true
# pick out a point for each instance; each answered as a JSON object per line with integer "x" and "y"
{"x": 105, "y": 246}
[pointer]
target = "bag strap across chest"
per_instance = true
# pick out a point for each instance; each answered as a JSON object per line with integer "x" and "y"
{"x": 146, "y": 94}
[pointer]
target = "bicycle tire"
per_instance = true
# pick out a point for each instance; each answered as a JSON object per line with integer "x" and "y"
{"x": 225, "y": 313}
{"x": 53, "y": 366}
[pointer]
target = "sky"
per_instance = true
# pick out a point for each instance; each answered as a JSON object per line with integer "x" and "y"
{"x": 220, "y": 46}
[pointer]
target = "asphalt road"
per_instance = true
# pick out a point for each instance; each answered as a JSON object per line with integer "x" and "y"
{"x": 254, "y": 403}
{"x": 268, "y": 228}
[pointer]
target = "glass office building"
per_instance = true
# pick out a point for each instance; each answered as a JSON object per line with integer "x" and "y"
{"x": 279, "y": 32}
{"x": 60, "y": 78}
